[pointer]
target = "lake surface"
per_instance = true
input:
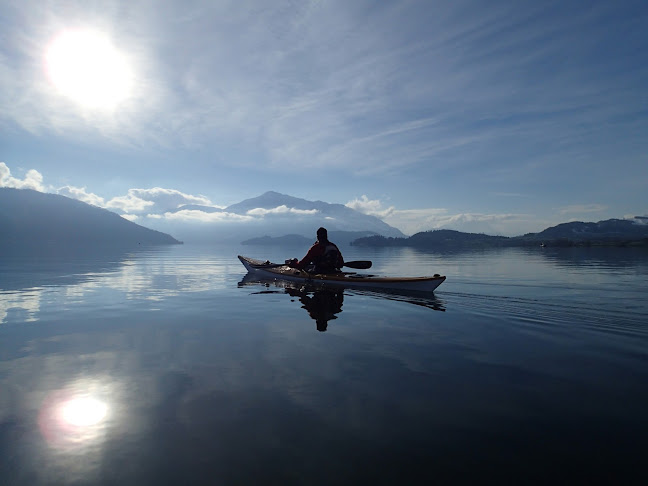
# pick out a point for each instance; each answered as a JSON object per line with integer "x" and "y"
{"x": 167, "y": 366}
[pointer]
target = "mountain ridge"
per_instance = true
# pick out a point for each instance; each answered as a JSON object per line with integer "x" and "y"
{"x": 334, "y": 216}
{"x": 32, "y": 219}
{"x": 272, "y": 214}
{"x": 611, "y": 232}
{"x": 37, "y": 220}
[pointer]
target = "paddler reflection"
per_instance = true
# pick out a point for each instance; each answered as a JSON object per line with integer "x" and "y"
{"x": 321, "y": 304}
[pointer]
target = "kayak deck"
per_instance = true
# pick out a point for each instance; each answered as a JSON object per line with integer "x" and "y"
{"x": 345, "y": 279}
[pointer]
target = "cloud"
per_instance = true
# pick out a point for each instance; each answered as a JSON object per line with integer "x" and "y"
{"x": 369, "y": 206}
{"x": 33, "y": 179}
{"x": 130, "y": 203}
{"x": 280, "y": 210}
{"x": 81, "y": 194}
{"x": 137, "y": 201}
{"x": 506, "y": 224}
{"x": 338, "y": 84}
{"x": 161, "y": 205}
{"x": 156, "y": 200}
{"x": 582, "y": 208}
{"x": 192, "y": 215}
{"x": 411, "y": 221}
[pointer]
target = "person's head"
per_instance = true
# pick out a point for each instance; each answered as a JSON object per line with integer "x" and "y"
{"x": 322, "y": 234}
{"x": 322, "y": 325}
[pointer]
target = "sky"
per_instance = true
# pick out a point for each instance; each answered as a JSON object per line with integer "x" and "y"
{"x": 485, "y": 116}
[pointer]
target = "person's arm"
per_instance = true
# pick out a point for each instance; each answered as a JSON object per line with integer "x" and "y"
{"x": 312, "y": 253}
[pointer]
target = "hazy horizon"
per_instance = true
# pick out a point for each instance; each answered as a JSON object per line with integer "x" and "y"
{"x": 272, "y": 215}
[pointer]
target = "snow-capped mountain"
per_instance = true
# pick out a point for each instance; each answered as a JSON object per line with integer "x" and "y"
{"x": 284, "y": 210}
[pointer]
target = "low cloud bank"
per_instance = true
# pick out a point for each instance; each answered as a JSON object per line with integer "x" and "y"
{"x": 412, "y": 221}
{"x": 193, "y": 215}
{"x": 172, "y": 210}
{"x": 280, "y": 210}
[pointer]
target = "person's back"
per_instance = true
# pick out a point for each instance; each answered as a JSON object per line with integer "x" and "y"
{"x": 323, "y": 256}
{"x": 330, "y": 260}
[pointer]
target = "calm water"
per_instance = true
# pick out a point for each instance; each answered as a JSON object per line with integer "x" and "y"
{"x": 169, "y": 367}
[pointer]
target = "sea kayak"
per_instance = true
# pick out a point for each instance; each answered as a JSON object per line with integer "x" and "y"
{"x": 343, "y": 279}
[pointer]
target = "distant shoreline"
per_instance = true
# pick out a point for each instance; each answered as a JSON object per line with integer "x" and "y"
{"x": 447, "y": 239}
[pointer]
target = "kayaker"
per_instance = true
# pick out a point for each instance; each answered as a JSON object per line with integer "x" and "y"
{"x": 323, "y": 256}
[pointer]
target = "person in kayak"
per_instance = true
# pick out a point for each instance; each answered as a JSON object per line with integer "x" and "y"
{"x": 323, "y": 256}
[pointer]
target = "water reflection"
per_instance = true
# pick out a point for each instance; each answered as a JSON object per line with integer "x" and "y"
{"x": 76, "y": 416}
{"x": 36, "y": 285}
{"x": 596, "y": 258}
{"x": 323, "y": 302}
{"x": 221, "y": 389}
{"x": 83, "y": 412}
{"x": 411, "y": 260}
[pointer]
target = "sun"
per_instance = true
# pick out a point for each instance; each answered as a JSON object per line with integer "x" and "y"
{"x": 85, "y": 67}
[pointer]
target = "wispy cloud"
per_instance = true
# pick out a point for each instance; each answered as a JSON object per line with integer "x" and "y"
{"x": 331, "y": 84}
{"x": 582, "y": 208}
{"x": 412, "y": 221}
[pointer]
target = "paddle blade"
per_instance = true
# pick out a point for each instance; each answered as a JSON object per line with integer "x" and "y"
{"x": 359, "y": 264}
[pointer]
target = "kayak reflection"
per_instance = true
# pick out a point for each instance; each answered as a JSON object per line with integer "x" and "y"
{"x": 323, "y": 302}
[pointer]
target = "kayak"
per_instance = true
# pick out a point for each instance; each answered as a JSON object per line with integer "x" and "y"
{"x": 343, "y": 279}
{"x": 271, "y": 285}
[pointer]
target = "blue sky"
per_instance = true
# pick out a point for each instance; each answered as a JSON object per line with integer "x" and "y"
{"x": 497, "y": 117}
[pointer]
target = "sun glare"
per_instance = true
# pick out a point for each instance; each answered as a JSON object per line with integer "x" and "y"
{"x": 87, "y": 68}
{"x": 83, "y": 412}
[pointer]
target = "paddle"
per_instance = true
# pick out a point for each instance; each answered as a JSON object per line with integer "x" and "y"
{"x": 358, "y": 264}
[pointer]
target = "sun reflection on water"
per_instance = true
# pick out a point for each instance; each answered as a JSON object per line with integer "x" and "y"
{"x": 75, "y": 416}
{"x": 83, "y": 411}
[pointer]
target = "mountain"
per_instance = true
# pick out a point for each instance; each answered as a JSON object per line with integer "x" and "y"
{"x": 272, "y": 214}
{"x": 611, "y": 229}
{"x": 272, "y": 199}
{"x": 438, "y": 239}
{"x": 611, "y": 232}
{"x": 197, "y": 207}
{"x": 335, "y": 217}
{"x": 36, "y": 220}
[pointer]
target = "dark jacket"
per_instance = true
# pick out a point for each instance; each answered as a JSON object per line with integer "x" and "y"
{"x": 326, "y": 257}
